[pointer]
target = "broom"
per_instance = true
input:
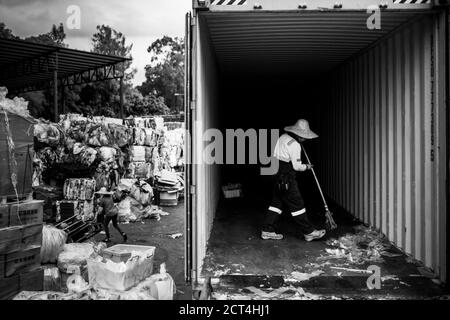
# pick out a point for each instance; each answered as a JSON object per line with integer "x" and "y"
{"x": 329, "y": 222}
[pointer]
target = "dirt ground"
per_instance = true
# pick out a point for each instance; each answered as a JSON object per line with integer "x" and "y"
{"x": 168, "y": 250}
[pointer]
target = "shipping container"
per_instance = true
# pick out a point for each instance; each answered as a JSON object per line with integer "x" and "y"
{"x": 372, "y": 81}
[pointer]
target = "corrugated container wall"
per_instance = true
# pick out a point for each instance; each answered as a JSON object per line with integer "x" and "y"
{"x": 206, "y": 177}
{"x": 384, "y": 135}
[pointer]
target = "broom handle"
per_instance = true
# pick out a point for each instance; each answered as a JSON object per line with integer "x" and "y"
{"x": 315, "y": 177}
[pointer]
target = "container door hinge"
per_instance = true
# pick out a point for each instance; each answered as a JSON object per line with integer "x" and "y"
{"x": 193, "y": 21}
{"x": 193, "y": 189}
{"x": 193, "y": 104}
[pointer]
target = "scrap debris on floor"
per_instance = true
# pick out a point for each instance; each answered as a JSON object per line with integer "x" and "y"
{"x": 344, "y": 260}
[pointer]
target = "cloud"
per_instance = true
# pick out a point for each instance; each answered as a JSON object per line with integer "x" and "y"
{"x": 132, "y": 17}
{"x": 141, "y": 21}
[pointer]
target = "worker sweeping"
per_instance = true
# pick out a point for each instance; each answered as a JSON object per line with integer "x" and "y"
{"x": 286, "y": 193}
{"x": 109, "y": 212}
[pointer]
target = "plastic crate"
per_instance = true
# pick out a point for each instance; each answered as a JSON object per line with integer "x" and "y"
{"x": 231, "y": 191}
{"x": 167, "y": 199}
{"x": 101, "y": 274}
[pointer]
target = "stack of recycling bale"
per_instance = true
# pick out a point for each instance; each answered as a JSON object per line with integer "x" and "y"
{"x": 98, "y": 145}
{"x": 144, "y": 158}
{"x": 172, "y": 149}
{"x": 78, "y": 199}
{"x": 20, "y": 216}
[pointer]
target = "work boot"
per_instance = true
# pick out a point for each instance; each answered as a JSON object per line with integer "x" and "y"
{"x": 316, "y": 234}
{"x": 271, "y": 235}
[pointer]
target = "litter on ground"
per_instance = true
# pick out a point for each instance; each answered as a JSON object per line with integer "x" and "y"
{"x": 366, "y": 245}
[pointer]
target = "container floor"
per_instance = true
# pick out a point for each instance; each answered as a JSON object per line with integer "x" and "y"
{"x": 243, "y": 266}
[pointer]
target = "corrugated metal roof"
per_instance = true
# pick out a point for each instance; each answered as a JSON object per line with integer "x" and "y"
{"x": 70, "y": 61}
{"x": 279, "y": 42}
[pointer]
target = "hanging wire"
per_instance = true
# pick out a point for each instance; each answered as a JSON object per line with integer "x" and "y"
{"x": 12, "y": 161}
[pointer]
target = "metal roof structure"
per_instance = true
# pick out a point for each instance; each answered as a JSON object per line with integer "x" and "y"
{"x": 27, "y": 66}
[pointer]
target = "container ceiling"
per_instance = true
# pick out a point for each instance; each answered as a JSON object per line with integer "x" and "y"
{"x": 306, "y": 42}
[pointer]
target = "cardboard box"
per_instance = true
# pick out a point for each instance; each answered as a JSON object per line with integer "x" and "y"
{"x": 9, "y": 287}
{"x": 4, "y": 216}
{"x": 22, "y": 261}
{"x": 26, "y": 213}
{"x": 19, "y": 238}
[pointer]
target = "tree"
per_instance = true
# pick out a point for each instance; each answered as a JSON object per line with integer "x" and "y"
{"x": 111, "y": 42}
{"x": 139, "y": 105}
{"x": 103, "y": 98}
{"x": 55, "y": 37}
{"x": 6, "y": 33}
{"x": 165, "y": 73}
{"x": 40, "y": 102}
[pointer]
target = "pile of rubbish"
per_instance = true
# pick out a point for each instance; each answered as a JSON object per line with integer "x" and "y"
{"x": 15, "y": 106}
{"x": 282, "y": 293}
{"x": 136, "y": 205}
{"x": 172, "y": 147}
{"x": 111, "y": 148}
{"x": 169, "y": 181}
{"x": 366, "y": 245}
{"x": 88, "y": 271}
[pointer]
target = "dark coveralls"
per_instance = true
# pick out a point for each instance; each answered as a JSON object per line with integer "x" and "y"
{"x": 109, "y": 214}
{"x": 291, "y": 199}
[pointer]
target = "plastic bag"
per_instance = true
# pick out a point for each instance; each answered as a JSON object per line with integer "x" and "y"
{"x": 143, "y": 170}
{"x": 139, "y": 136}
{"x": 47, "y": 133}
{"x": 107, "y": 154}
{"x": 52, "y": 279}
{"x": 161, "y": 285}
{"x": 53, "y": 241}
{"x": 75, "y": 254}
{"x": 126, "y": 184}
{"x": 142, "y": 192}
{"x": 75, "y": 283}
{"x": 119, "y": 134}
{"x": 88, "y": 156}
{"x": 148, "y": 154}
{"x": 124, "y": 211}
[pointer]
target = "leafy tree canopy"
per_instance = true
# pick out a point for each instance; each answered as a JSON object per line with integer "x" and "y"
{"x": 165, "y": 73}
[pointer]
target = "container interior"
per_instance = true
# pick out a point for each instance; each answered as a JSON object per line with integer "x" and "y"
{"x": 265, "y": 71}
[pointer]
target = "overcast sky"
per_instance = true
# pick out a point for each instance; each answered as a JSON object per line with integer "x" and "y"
{"x": 141, "y": 21}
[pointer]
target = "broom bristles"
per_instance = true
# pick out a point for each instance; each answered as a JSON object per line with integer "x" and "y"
{"x": 330, "y": 223}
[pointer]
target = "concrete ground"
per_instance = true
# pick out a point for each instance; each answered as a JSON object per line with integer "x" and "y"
{"x": 157, "y": 233}
{"x": 243, "y": 266}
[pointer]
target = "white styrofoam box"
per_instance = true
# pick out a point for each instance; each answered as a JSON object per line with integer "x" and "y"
{"x": 120, "y": 276}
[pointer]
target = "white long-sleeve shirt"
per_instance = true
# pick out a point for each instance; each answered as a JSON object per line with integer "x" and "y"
{"x": 289, "y": 150}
